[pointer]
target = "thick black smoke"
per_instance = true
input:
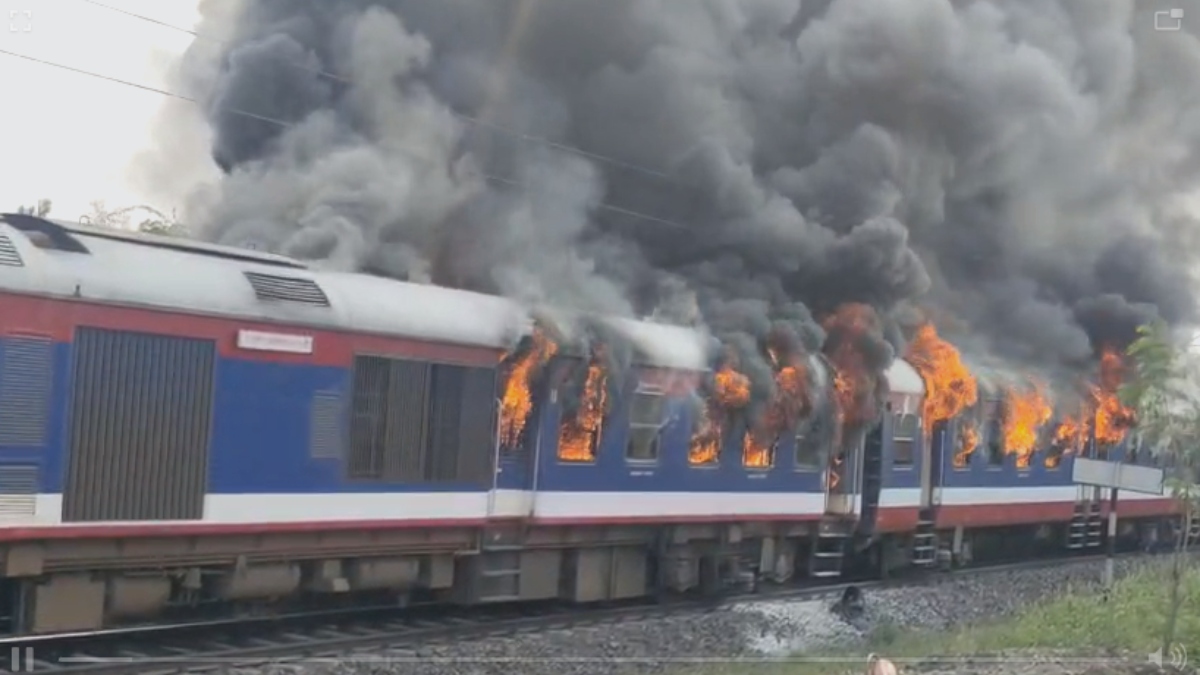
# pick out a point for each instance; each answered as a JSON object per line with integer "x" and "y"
{"x": 1022, "y": 166}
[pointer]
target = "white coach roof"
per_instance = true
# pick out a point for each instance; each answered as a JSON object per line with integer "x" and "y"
{"x": 903, "y": 379}
{"x": 172, "y": 273}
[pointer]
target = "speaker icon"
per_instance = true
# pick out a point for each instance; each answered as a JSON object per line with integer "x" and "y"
{"x": 1176, "y": 657}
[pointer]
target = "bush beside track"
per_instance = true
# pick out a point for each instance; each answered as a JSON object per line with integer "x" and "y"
{"x": 1078, "y": 632}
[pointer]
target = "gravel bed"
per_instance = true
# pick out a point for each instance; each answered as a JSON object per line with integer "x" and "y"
{"x": 752, "y": 629}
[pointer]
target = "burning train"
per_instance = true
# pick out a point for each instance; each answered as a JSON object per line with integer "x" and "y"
{"x": 186, "y": 426}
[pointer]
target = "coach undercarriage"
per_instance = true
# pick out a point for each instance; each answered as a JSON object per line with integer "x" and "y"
{"x": 89, "y": 584}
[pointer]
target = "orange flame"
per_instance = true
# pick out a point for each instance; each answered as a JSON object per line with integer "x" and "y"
{"x": 968, "y": 440}
{"x": 756, "y": 452}
{"x": 949, "y": 386}
{"x": 788, "y": 404}
{"x": 854, "y": 384}
{"x": 1025, "y": 413}
{"x": 517, "y": 401}
{"x": 1102, "y": 415}
{"x": 1069, "y": 437}
{"x": 731, "y": 391}
{"x": 579, "y": 436}
{"x": 1113, "y": 419}
{"x": 706, "y": 442}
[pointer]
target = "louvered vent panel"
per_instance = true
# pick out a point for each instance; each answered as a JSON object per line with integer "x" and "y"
{"x": 18, "y": 490}
{"x": 141, "y": 420}
{"x": 325, "y": 431}
{"x": 287, "y": 289}
{"x": 8, "y": 253}
{"x": 26, "y": 373}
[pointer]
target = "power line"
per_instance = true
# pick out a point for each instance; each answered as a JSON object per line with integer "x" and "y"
{"x": 475, "y": 121}
{"x": 287, "y": 125}
{"x": 135, "y": 85}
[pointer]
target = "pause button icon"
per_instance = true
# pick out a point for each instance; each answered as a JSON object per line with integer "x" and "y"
{"x": 21, "y": 660}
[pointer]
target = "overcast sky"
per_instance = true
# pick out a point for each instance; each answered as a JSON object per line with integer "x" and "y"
{"x": 70, "y": 137}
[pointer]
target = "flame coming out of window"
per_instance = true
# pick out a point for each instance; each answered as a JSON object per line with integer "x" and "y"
{"x": 579, "y": 435}
{"x": 1101, "y": 414}
{"x": 731, "y": 391}
{"x": 854, "y": 384}
{"x": 1113, "y": 419}
{"x": 789, "y": 402}
{"x": 968, "y": 440}
{"x": 516, "y": 403}
{"x": 1025, "y": 413}
{"x": 949, "y": 386}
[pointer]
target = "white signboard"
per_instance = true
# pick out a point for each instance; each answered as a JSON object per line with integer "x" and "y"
{"x": 1118, "y": 475}
{"x": 274, "y": 342}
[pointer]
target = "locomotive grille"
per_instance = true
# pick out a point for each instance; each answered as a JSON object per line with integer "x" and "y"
{"x": 18, "y": 490}
{"x": 140, "y": 423}
{"x": 26, "y": 371}
{"x": 286, "y": 289}
{"x": 325, "y": 433}
{"x": 8, "y": 253}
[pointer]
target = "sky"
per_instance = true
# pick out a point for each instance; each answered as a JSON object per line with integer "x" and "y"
{"x": 69, "y": 137}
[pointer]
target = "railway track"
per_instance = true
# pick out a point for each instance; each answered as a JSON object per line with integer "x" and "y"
{"x": 214, "y": 645}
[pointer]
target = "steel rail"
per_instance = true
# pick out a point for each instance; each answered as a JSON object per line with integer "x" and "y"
{"x": 209, "y": 645}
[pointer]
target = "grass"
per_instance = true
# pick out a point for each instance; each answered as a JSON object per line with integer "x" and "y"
{"x": 1131, "y": 621}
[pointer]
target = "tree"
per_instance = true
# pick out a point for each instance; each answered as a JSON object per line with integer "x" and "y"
{"x": 41, "y": 209}
{"x": 152, "y": 220}
{"x": 1164, "y": 392}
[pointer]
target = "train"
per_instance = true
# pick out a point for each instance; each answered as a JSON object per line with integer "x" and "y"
{"x": 187, "y": 428}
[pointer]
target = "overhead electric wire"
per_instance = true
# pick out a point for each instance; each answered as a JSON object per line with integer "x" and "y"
{"x": 285, "y": 124}
{"x": 475, "y": 121}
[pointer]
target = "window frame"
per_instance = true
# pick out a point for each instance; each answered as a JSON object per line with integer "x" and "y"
{"x": 1057, "y": 451}
{"x": 956, "y": 442}
{"x": 996, "y": 459}
{"x": 772, "y": 452}
{"x": 803, "y": 432}
{"x": 636, "y": 427}
{"x": 897, "y": 424}
{"x": 567, "y": 367}
{"x": 993, "y": 436}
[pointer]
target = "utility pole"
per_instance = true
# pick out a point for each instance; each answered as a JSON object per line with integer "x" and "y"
{"x": 1112, "y": 542}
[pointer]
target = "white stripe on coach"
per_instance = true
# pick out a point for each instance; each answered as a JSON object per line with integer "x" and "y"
{"x": 297, "y": 508}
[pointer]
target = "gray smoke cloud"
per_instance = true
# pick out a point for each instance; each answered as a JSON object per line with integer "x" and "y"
{"x": 1017, "y": 165}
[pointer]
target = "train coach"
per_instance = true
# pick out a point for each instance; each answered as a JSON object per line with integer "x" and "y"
{"x": 189, "y": 428}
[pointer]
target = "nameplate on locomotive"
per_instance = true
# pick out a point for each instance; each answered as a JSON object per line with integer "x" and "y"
{"x": 274, "y": 342}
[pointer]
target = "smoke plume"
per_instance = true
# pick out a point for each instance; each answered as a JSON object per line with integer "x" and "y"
{"x": 749, "y": 164}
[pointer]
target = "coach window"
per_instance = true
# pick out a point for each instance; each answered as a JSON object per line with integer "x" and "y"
{"x": 808, "y": 446}
{"x": 1054, "y": 455}
{"x": 904, "y": 439}
{"x": 966, "y": 442}
{"x": 995, "y": 443}
{"x": 645, "y": 425}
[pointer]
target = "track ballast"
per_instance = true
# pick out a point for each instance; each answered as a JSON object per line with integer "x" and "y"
{"x": 212, "y": 645}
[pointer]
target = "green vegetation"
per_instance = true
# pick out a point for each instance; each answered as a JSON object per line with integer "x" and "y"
{"x": 1131, "y": 622}
{"x": 1164, "y": 392}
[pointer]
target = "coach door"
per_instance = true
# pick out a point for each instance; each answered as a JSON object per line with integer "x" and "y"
{"x": 841, "y": 478}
